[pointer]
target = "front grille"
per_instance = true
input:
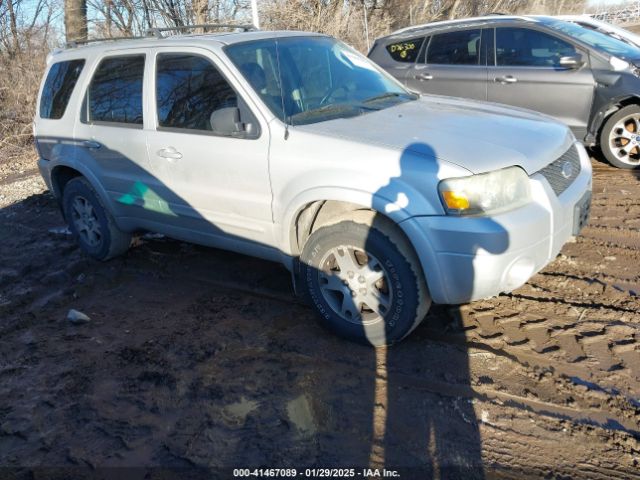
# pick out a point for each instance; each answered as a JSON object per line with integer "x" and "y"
{"x": 562, "y": 172}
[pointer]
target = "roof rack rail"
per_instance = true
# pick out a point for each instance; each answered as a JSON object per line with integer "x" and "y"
{"x": 76, "y": 43}
{"x": 157, "y": 32}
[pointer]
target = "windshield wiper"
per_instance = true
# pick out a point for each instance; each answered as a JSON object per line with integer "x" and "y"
{"x": 381, "y": 97}
{"x": 384, "y": 96}
{"x": 331, "y": 109}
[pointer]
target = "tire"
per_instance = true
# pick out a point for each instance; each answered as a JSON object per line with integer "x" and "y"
{"x": 91, "y": 224}
{"x": 622, "y": 129}
{"x": 374, "y": 247}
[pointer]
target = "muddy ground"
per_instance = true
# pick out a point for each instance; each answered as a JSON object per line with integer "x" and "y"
{"x": 197, "y": 360}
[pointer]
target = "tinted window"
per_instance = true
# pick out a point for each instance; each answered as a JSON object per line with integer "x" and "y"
{"x": 189, "y": 89}
{"x": 58, "y": 87}
{"x": 455, "y": 48}
{"x": 115, "y": 93}
{"x": 406, "y": 51}
{"x": 523, "y": 47}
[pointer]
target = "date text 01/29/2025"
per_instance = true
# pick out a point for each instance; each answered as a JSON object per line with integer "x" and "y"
{"x": 315, "y": 473}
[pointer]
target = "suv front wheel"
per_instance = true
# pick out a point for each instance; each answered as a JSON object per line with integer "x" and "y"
{"x": 364, "y": 280}
{"x": 90, "y": 223}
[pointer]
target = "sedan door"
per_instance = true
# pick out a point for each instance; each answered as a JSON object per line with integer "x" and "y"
{"x": 451, "y": 64}
{"x": 526, "y": 72}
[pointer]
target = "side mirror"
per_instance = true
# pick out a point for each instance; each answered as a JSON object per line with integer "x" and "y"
{"x": 226, "y": 121}
{"x": 573, "y": 62}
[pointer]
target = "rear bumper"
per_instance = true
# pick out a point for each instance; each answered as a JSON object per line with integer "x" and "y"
{"x": 469, "y": 258}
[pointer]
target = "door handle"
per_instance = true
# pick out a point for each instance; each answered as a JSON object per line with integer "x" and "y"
{"x": 170, "y": 153}
{"x": 91, "y": 144}
{"x": 506, "y": 79}
{"x": 423, "y": 76}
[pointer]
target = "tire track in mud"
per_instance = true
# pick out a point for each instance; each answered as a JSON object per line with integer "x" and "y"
{"x": 526, "y": 341}
{"x": 580, "y": 325}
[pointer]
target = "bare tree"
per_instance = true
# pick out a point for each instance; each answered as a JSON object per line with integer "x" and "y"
{"x": 75, "y": 20}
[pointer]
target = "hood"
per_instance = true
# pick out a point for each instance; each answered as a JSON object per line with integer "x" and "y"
{"x": 477, "y": 136}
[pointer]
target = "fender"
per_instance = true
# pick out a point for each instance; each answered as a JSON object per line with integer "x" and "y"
{"x": 603, "y": 107}
{"x": 398, "y": 214}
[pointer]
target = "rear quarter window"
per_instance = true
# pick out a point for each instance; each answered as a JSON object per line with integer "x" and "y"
{"x": 405, "y": 51}
{"x": 58, "y": 87}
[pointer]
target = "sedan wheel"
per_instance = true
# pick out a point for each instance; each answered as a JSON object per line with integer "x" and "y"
{"x": 624, "y": 140}
{"x": 620, "y": 138}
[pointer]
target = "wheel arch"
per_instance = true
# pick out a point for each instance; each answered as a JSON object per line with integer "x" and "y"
{"x": 62, "y": 173}
{"x": 606, "y": 111}
{"x": 321, "y": 207}
{"x": 315, "y": 212}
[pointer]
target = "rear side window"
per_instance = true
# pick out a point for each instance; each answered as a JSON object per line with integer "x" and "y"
{"x": 524, "y": 47}
{"x": 405, "y": 51}
{"x": 189, "y": 88}
{"x": 115, "y": 93}
{"x": 58, "y": 87}
{"x": 455, "y": 48}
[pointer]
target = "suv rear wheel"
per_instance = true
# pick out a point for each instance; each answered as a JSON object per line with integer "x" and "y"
{"x": 90, "y": 223}
{"x": 620, "y": 138}
{"x": 364, "y": 280}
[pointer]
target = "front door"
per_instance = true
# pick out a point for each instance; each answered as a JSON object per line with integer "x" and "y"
{"x": 216, "y": 182}
{"x": 526, "y": 73}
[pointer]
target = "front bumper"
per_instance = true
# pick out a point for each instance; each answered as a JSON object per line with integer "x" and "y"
{"x": 469, "y": 258}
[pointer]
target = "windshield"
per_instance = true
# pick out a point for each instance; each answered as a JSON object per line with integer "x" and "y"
{"x": 319, "y": 78}
{"x": 593, "y": 38}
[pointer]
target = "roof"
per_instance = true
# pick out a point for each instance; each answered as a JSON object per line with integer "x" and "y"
{"x": 220, "y": 38}
{"x": 462, "y": 21}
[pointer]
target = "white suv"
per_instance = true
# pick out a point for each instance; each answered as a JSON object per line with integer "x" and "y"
{"x": 294, "y": 147}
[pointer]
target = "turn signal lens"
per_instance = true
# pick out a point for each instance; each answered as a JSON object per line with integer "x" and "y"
{"x": 456, "y": 200}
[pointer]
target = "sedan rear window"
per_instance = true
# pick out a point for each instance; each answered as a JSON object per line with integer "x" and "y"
{"x": 58, "y": 87}
{"x": 405, "y": 51}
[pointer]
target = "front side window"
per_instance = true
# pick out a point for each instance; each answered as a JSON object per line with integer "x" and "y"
{"x": 405, "y": 51}
{"x": 58, "y": 87}
{"x": 455, "y": 48}
{"x": 115, "y": 93}
{"x": 530, "y": 48}
{"x": 312, "y": 79}
{"x": 189, "y": 88}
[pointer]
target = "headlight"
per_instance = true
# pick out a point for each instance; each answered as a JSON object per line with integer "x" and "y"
{"x": 485, "y": 193}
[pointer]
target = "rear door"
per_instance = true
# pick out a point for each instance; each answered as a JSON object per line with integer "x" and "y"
{"x": 111, "y": 135}
{"x": 451, "y": 64}
{"x": 525, "y": 72}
